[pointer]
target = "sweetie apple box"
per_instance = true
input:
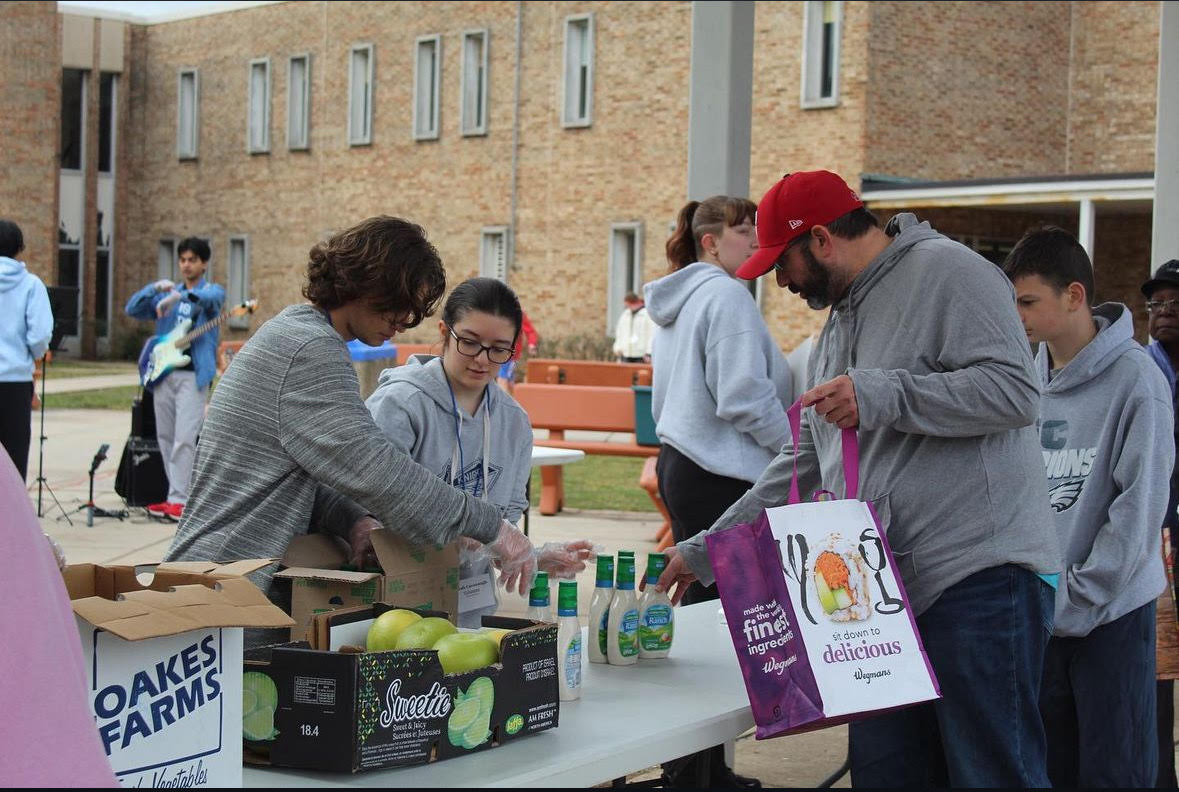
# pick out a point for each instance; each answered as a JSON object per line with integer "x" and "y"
{"x": 326, "y": 704}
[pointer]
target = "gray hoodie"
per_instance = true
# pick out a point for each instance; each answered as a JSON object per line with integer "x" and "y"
{"x": 947, "y": 394}
{"x": 1105, "y": 429}
{"x": 720, "y": 385}
{"x": 413, "y": 407}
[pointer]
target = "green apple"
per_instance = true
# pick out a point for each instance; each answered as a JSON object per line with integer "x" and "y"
{"x": 424, "y": 634}
{"x": 496, "y": 634}
{"x": 465, "y": 652}
{"x": 382, "y": 635}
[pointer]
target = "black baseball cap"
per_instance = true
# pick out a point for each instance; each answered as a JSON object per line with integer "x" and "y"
{"x": 1166, "y": 275}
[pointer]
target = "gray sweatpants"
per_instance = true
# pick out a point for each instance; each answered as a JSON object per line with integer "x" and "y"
{"x": 180, "y": 411}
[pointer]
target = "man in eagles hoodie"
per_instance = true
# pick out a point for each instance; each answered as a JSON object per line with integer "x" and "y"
{"x": 413, "y": 406}
{"x": 923, "y": 352}
{"x": 24, "y": 337}
{"x": 1106, "y": 429}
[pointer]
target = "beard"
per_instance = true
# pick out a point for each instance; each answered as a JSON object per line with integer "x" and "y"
{"x": 816, "y": 288}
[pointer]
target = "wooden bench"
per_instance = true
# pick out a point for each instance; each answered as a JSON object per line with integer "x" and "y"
{"x": 559, "y": 408}
{"x": 557, "y": 371}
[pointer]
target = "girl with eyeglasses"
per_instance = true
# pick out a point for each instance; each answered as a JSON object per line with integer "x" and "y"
{"x": 446, "y": 413}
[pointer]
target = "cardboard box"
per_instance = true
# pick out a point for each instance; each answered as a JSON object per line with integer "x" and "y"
{"x": 411, "y": 576}
{"x": 343, "y": 710}
{"x": 164, "y": 666}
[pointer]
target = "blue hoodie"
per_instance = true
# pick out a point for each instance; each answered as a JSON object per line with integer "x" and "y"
{"x": 1106, "y": 433}
{"x": 199, "y": 304}
{"x": 28, "y": 321}
{"x": 720, "y": 384}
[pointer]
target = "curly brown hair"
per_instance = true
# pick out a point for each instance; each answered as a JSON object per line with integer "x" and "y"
{"x": 385, "y": 261}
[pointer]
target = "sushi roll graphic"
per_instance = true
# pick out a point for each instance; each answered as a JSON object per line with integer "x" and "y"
{"x": 841, "y": 582}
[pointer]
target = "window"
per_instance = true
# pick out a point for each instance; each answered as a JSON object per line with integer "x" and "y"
{"x": 237, "y": 280}
{"x": 106, "y": 122}
{"x": 167, "y": 261}
{"x": 360, "y": 95}
{"x": 102, "y": 293}
{"x": 427, "y": 68}
{"x": 820, "y": 53}
{"x": 474, "y": 99}
{"x": 299, "y": 102}
{"x": 579, "y": 71}
{"x": 626, "y": 268}
{"x": 493, "y": 253}
{"x": 73, "y": 106}
{"x": 258, "y": 120}
{"x": 187, "y": 114}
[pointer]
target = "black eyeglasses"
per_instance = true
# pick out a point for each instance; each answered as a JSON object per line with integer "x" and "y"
{"x": 1161, "y": 306}
{"x": 472, "y": 348}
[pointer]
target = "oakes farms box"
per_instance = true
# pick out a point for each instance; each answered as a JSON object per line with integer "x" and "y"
{"x": 164, "y": 666}
{"x": 411, "y": 576}
{"x": 341, "y": 709}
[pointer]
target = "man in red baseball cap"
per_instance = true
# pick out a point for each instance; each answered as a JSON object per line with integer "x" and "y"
{"x": 924, "y": 353}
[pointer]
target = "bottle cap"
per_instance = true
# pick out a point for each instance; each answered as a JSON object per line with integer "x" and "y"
{"x": 567, "y": 598}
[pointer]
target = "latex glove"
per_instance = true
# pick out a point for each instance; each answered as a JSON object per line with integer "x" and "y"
{"x": 360, "y": 539}
{"x": 165, "y": 305}
{"x": 676, "y": 574}
{"x": 58, "y": 553}
{"x": 564, "y": 559}
{"x": 513, "y": 555}
{"x": 163, "y": 285}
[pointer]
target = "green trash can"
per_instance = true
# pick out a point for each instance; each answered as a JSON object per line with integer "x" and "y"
{"x": 644, "y": 421}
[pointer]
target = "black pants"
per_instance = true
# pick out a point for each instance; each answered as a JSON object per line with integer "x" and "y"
{"x": 695, "y": 499}
{"x": 16, "y": 414}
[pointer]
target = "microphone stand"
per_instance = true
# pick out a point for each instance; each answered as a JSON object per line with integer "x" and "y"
{"x": 42, "y": 483}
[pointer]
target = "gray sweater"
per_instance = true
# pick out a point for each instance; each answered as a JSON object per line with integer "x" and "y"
{"x": 947, "y": 394}
{"x": 288, "y": 445}
{"x": 720, "y": 385}
{"x": 1106, "y": 433}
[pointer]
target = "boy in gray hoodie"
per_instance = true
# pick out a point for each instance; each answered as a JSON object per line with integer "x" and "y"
{"x": 1106, "y": 432}
{"x": 922, "y": 352}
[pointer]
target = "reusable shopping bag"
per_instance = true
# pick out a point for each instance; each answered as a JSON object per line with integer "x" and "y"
{"x": 822, "y": 626}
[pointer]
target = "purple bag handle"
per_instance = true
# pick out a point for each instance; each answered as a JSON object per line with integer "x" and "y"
{"x": 851, "y": 455}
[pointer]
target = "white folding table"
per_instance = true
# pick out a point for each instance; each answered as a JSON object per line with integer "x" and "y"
{"x": 628, "y": 718}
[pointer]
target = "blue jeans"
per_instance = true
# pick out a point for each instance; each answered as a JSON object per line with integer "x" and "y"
{"x": 1098, "y": 704}
{"x": 985, "y": 637}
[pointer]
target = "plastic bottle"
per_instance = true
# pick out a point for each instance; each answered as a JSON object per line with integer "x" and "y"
{"x": 568, "y": 642}
{"x": 599, "y": 610}
{"x": 622, "y": 639}
{"x": 656, "y": 615}
{"x": 538, "y": 599}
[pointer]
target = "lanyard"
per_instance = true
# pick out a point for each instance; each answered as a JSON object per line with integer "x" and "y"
{"x": 457, "y": 462}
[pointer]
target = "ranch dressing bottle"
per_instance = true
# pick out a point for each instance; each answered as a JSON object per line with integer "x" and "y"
{"x": 622, "y": 626}
{"x": 538, "y": 599}
{"x": 599, "y": 611}
{"x": 656, "y": 617}
{"x": 568, "y": 642}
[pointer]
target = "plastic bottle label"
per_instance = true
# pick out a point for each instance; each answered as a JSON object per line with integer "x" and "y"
{"x": 573, "y": 663}
{"x": 603, "y": 631}
{"x": 657, "y": 628}
{"x": 628, "y": 634}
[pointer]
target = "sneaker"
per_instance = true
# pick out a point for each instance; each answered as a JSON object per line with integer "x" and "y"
{"x": 173, "y": 511}
{"x": 157, "y": 509}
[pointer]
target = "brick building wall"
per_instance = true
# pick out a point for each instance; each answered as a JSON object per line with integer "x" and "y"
{"x": 1113, "y": 87}
{"x": 30, "y": 66}
{"x": 967, "y": 90}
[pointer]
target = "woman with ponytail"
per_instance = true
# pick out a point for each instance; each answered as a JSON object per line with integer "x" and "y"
{"x": 720, "y": 390}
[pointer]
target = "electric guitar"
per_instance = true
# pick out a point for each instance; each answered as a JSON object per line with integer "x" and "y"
{"x": 164, "y": 353}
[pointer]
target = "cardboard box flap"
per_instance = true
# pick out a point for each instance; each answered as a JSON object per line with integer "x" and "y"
{"x": 152, "y": 613}
{"x": 333, "y": 575}
{"x": 316, "y": 551}
{"x": 231, "y": 569}
{"x": 398, "y": 555}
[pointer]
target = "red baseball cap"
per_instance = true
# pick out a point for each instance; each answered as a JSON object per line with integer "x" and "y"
{"x": 789, "y": 209}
